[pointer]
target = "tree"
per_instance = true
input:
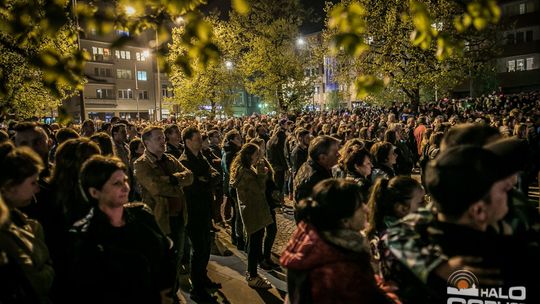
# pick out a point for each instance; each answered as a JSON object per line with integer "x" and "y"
{"x": 272, "y": 62}
{"x": 214, "y": 85}
{"x": 28, "y": 25}
{"x": 386, "y": 50}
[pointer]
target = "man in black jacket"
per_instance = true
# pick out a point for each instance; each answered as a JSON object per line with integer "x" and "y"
{"x": 323, "y": 155}
{"x": 299, "y": 154}
{"x": 172, "y": 135}
{"x": 199, "y": 199}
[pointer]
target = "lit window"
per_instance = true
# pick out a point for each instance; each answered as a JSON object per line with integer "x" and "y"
{"x": 520, "y": 65}
{"x": 511, "y": 65}
{"x": 125, "y": 94}
{"x": 123, "y": 74}
{"x": 530, "y": 63}
{"x": 140, "y": 56}
{"x": 522, "y": 8}
{"x": 141, "y": 75}
{"x": 123, "y": 54}
{"x": 122, "y": 33}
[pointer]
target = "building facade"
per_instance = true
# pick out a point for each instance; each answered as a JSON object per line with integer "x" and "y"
{"x": 519, "y": 65}
{"x": 121, "y": 81}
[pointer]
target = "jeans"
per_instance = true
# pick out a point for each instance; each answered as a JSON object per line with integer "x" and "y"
{"x": 254, "y": 251}
{"x": 178, "y": 236}
{"x": 270, "y": 237}
{"x": 201, "y": 238}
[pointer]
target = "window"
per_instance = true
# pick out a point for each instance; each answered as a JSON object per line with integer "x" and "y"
{"x": 104, "y": 93}
{"x": 522, "y": 8}
{"x": 122, "y": 33}
{"x": 123, "y": 74}
{"x": 102, "y": 72}
{"x": 143, "y": 95}
{"x": 140, "y": 56}
{"x": 511, "y": 65}
{"x": 529, "y": 36}
{"x": 520, "y": 37}
{"x": 123, "y": 54}
{"x": 125, "y": 94}
{"x": 510, "y": 38}
{"x": 520, "y": 65}
{"x": 164, "y": 90}
{"x": 530, "y": 62}
{"x": 100, "y": 54}
{"x": 141, "y": 75}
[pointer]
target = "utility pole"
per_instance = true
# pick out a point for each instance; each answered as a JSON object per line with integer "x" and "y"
{"x": 81, "y": 91}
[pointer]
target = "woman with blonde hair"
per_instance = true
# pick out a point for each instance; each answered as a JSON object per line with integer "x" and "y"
{"x": 248, "y": 177}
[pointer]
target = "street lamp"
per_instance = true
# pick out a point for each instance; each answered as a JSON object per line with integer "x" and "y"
{"x": 229, "y": 65}
{"x": 300, "y": 42}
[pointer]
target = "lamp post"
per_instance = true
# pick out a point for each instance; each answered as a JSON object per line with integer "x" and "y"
{"x": 81, "y": 91}
{"x": 131, "y": 11}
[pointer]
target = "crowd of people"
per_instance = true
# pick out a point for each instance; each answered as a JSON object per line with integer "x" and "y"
{"x": 389, "y": 202}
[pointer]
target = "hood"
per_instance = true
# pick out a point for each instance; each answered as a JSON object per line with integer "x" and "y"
{"x": 307, "y": 250}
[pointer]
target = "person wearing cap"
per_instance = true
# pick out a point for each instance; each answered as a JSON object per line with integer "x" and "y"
{"x": 469, "y": 185}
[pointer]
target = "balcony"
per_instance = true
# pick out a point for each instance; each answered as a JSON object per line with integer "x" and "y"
{"x": 107, "y": 101}
{"x": 522, "y": 48}
{"x": 102, "y": 59}
{"x": 519, "y": 81}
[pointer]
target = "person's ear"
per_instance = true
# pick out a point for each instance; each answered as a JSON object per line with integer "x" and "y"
{"x": 94, "y": 193}
{"x": 478, "y": 212}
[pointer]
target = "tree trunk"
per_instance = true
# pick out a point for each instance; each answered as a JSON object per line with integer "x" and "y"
{"x": 414, "y": 98}
{"x": 212, "y": 109}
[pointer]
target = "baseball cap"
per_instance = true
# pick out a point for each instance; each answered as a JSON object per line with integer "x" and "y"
{"x": 464, "y": 174}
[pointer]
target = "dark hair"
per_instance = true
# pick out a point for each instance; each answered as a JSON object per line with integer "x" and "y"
{"x": 229, "y": 136}
{"x": 355, "y": 157}
{"x": 105, "y": 126}
{"x": 213, "y": 133}
{"x": 17, "y": 164}
{"x": 243, "y": 159}
{"x": 385, "y": 195}
{"x": 147, "y": 132}
{"x": 390, "y": 136}
{"x": 347, "y": 148}
{"x": 469, "y": 134}
{"x": 64, "y": 134}
{"x": 96, "y": 171}
{"x": 321, "y": 145}
{"x": 332, "y": 201}
{"x": 69, "y": 158}
{"x": 133, "y": 146}
{"x": 380, "y": 151}
{"x": 117, "y": 127}
{"x": 169, "y": 129}
{"x": 301, "y": 132}
{"x": 188, "y": 133}
{"x": 104, "y": 141}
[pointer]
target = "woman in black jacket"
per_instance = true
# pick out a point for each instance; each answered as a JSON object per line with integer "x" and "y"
{"x": 119, "y": 253}
{"x": 231, "y": 145}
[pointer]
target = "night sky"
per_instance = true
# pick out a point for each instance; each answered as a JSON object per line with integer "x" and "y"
{"x": 313, "y": 24}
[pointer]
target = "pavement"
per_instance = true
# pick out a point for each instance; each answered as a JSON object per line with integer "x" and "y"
{"x": 230, "y": 270}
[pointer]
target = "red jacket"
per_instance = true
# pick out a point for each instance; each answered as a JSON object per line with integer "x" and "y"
{"x": 319, "y": 272}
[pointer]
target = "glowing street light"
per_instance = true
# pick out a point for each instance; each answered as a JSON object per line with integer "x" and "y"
{"x": 229, "y": 65}
{"x": 130, "y": 10}
{"x": 300, "y": 42}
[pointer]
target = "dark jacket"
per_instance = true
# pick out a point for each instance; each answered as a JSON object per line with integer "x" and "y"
{"x": 229, "y": 152}
{"x": 174, "y": 151}
{"x": 276, "y": 151}
{"x": 420, "y": 242}
{"x": 129, "y": 264}
{"x": 308, "y": 176}
{"x": 299, "y": 156}
{"x": 199, "y": 195}
{"x": 321, "y": 272}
